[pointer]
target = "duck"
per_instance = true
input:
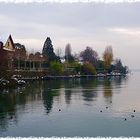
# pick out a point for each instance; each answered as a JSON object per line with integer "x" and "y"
{"x": 132, "y": 116}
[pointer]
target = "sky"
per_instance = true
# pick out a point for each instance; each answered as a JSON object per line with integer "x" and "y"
{"x": 92, "y": 24}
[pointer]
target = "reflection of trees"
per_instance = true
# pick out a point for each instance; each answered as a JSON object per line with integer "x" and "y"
{"x": 33, "y": 91}
{"x": 89, "y": 83}
{"x": 49, "y": 91}
{"x": 47, "y": 100}
{"x": 14, "y": 102}
{"x": 118, "y": 80}
{"x": 7, "y": 110}
{"x": 89, "y": 89}
{"x": 68, "y": 92}
{"x": 11, "y": 98}
{"x": 52, "y": 84}
{"x": 110, "y": 84}
{"x": 68, "y": 96}
{"x": 89, "y": 95}
{"x": 107, "y": 90}
{"x": 69, "y": 85}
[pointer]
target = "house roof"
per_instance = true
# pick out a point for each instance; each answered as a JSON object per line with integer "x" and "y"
{"x": 10, "y": 37}
{"x": 12, "y": 43}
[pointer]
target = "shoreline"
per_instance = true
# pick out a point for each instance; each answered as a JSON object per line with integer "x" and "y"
{"x": 71, "y": 77}
{"x": 10, "y": 84}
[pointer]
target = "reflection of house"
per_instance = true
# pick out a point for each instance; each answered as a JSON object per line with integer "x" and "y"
{"x": 7, "y": 53}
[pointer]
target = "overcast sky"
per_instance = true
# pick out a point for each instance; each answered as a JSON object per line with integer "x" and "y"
{"x": 80, "y": 24}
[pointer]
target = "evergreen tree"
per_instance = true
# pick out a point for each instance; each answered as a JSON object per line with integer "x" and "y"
{"x": 48, "y": 51}
{"x": 119, "y": 66}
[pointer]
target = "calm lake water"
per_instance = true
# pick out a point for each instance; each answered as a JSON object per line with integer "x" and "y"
{"x": 34, "y": 109}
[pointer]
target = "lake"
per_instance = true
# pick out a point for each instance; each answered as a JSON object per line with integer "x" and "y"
{"x": 80, "y": 107}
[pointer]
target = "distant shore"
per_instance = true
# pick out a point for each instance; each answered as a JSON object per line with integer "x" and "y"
{"x": 72, "y": 77}
{"x": 22, "y": 81}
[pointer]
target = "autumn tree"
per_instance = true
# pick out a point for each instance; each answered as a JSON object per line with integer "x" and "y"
{"x": 108, "y": 57}
{"x": 89, "y": 55}
{"x": 88, "y": 69}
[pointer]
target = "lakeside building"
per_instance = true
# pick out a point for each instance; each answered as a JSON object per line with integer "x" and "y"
{"x": 7, "y": 53}
{"x": 14, "y": 57}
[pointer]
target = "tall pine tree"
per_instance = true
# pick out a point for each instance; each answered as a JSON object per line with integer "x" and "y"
{"x": 48, "y": 51}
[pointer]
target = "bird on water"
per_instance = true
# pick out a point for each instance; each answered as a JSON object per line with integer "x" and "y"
{"x": 132, "y": 116}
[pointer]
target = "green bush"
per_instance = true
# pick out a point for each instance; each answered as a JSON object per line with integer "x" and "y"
{"x": 56, "y": 68}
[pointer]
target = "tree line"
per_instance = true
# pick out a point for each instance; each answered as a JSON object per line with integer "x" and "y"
{"x": 87, "y": 62}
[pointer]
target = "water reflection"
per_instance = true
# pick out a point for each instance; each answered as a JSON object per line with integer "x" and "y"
{"x": 7, "y": 110}
{"x": 47, "y": 101}
{"x": 68, "y": 96}
{"x": 111, "y": 85}
{"x": 50, "y": 89}
{"x": 107, "y": 92}
{"x": 13, "y": 102}
{"x": 68, "y": 85}
{"x": 89, "y": 90}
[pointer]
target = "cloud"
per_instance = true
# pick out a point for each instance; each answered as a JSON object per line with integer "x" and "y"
{"x": 126, "y": 31}
{"x": 94, "y": 25}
